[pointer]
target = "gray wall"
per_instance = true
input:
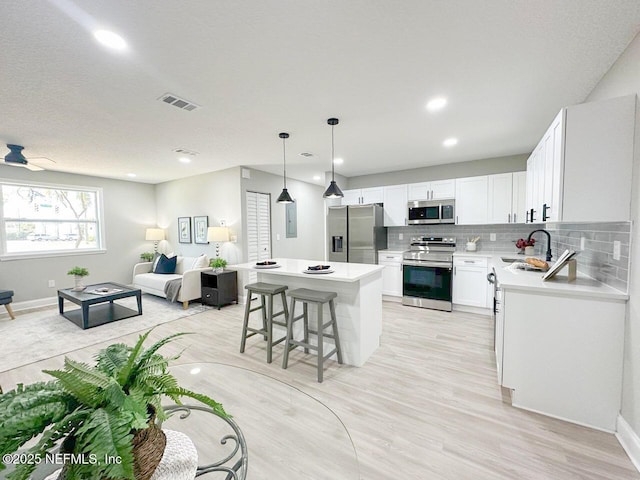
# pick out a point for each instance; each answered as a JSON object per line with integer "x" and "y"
{"x": 309, "y": 243}
{"x": 216, "y": 194}
{"x": 622, "y": 79}
{"x": 488, "y": 166}
{"x": 128, "y": 209}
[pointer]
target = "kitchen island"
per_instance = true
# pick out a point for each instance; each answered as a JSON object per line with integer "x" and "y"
{"x": 358, "y": 305}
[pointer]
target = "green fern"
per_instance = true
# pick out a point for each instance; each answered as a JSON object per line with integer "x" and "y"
{"x": 100, "y": 407}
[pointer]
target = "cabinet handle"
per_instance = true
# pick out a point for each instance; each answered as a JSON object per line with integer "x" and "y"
{"x": 514, "y": 218}
{"x": 545, "y": 207}
{"x": 469, "y": 261}
{"x": 454, "y": 270}
{"x": 456, "y": 219}
{"x": 509, "y": 217}
{"x": 527, "y": 220}
{"x": 532, "y": 217}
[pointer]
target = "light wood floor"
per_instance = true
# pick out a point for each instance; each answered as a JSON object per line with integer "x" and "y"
{"x": 425, "y": 406}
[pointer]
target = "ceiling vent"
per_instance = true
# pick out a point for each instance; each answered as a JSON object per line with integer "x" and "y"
{"x": 306, "y": 154}
{"x": 176, "y": 101}
{"x": 184, "y": 151}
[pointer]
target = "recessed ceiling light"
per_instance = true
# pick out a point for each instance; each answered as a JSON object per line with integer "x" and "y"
{"x": 110, "y": 39}
{"x": 132, "y": 175}
{"x": 317, "y": 177}
{"x": 450, "y": 142}
{"x": 184, "y": 160}
{"x": 338, "y": 161}
{"x": 437, "y": 103}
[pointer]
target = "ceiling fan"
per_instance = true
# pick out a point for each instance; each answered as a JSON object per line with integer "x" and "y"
{"x": 15, "y": 158}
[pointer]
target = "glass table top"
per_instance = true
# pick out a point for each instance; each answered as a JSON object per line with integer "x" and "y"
{"x": 289, "y": 434}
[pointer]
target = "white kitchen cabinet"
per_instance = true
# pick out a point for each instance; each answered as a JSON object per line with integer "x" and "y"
{"x": 519, "y": 206}
{"x": 470, "y": 281}
{"x": 472, "y": 200}
{"x": 582, "y": 168}
{"x": 395, "y": 205}
{"x": 392, "y": 273}
{"x": 363, "y": 196}
{"x": 559, "y": 350}
{"x": 500, "y": 188}
{"x": 436, "y": 190}
{"x": 506, "y": 202}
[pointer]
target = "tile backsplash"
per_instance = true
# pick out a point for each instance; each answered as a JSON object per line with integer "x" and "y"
{"x": 506, "y": 236}
{"x": 596, "y": 260}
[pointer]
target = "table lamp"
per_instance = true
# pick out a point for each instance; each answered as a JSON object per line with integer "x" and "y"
{"x": 155, "y": 235}
{"x": 218, "y": 235}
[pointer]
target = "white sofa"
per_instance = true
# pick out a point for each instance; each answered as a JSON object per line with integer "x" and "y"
{"x": 154, "y": 283}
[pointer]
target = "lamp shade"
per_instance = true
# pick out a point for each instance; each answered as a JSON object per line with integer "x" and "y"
{"x": 218, "y": 234}
{"x": 154, "y": 234}
{"x": 284, "y": 197}
{"x": 333, "y": 191}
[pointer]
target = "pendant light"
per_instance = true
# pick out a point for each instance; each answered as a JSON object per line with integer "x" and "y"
{"x": 334, "y": 190}
{"x": 284, "y": 196}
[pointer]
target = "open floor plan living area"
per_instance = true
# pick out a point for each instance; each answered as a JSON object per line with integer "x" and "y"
{"x": 332, "y": 240}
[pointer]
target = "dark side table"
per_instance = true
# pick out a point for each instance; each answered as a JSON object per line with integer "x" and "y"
{"x": 219, "y": 289}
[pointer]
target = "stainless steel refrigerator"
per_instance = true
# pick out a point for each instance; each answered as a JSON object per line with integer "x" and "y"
{"x": 356, "y": 233}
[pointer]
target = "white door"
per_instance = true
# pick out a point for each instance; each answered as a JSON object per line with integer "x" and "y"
{"x": 443, "y": 190}
{"x": 351, "y": 197}
{"x": 518, "y": 203}
{"x": 258, "y": 226}
{"x": 372, "y": 195}
{"x": 471, "y": 200}
{"x": 500, "y": 198}
{"x": 395, "y": 206}
{"x": 470, "y": 286}
{"x": 418, "y": 191}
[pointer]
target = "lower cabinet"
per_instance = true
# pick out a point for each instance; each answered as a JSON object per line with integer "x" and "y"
{"x": 392, "y": 273}
{"x": 562, "y": 356}
{"x": 219, "y": 289}
{"x": 470, "y": 284}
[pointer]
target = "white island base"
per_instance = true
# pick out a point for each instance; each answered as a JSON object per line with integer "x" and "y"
{"x": 358, "y": 305}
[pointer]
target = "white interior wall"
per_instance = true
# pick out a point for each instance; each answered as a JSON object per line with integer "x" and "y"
{"x": 129, "y": 208}
{"x": 622, "y": 79}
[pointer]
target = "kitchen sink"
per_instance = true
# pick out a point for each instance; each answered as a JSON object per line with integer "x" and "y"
{"x": 510, "y": 260}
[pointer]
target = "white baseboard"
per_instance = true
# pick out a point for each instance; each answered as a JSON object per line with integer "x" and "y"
{"x": 467, "y": 309}
{"x": 629, "y": 440}
{"x": 391, "y": 298}
{"x": 37, "y": 303}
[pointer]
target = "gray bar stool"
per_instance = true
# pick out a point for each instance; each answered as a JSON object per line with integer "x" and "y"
{"x": 306, "y": 296}
{"x": 266, "y": 291}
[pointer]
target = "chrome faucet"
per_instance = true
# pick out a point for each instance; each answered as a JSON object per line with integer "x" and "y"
{"x": 548, "y": 241}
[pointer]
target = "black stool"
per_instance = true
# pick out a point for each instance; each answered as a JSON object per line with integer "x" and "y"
{"x": 306, "y": 296}
{"x": 266, "y": 291}
{"x": 6, "y": 296}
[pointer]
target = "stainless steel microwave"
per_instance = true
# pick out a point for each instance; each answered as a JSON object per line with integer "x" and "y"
{"x": 430, "y": 212}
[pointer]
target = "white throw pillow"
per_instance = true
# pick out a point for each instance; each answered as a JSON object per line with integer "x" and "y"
{"x": 201, "y": 262}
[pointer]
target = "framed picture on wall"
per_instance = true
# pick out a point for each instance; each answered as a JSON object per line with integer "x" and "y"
{"x": 200, "y": 225}
{"x": 184, "y": 229}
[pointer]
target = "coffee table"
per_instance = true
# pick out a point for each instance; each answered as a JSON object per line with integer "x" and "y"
{"x": 98, "y": 308}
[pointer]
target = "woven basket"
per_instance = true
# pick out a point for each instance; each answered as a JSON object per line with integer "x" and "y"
{"x": 148, "y": 447}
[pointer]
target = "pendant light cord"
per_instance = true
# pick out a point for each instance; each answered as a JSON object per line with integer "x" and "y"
{"x": 333, "y": 157}
{"x": 284, "y": 161}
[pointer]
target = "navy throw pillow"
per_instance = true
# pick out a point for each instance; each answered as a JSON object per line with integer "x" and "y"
{"x": 166, "y": 265}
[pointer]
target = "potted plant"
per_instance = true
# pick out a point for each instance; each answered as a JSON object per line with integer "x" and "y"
{"x": 78, "y": 273}
{"x": 147, "y": 256}
{"x": 526, "y": 246}
{"x": 100, "y": 412}
{"x": 218, "y": 264}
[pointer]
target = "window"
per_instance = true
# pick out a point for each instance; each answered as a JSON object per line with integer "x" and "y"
{"x": 45, "y": 219}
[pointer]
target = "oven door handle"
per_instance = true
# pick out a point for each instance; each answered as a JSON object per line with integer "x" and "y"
{"x": 445, "y": 266}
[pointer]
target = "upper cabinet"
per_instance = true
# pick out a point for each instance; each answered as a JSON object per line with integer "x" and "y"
{"x": 363, "y": 196}
{"x": 472, "y": 200}
{"x": 506, "y": 202}
{"x": 581, "y": 171}
{"x": 436, "y": 190}
{"x": 395, "y": 205}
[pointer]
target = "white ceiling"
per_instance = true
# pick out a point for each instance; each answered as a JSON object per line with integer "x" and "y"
{"x": 259, "y": 67}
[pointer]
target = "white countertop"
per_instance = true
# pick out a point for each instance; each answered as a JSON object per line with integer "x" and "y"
{"x": 531, "y": 281}
{"x": 342, "y": 272}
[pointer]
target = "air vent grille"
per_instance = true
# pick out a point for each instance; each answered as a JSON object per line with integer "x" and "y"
{"x": 184, "y": 151}
{"x": 306, "y": 154}
{"x": 181, "y": 103}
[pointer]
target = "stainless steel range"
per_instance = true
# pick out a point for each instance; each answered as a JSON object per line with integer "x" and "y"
{"x": 427, "y": 272}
